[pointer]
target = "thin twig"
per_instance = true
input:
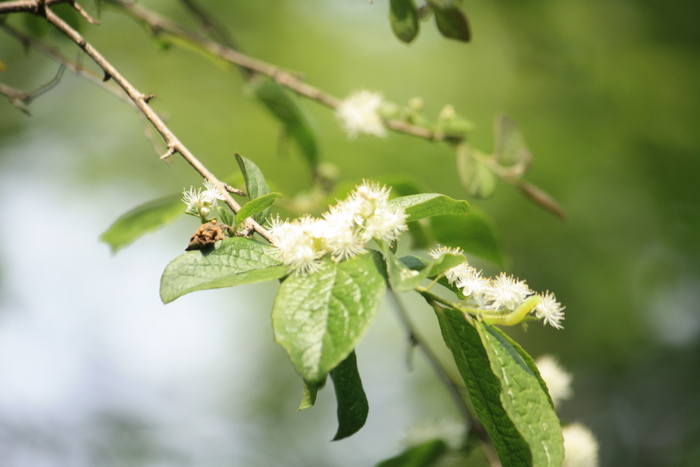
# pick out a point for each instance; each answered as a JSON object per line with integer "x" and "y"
{"x": 54, "y": 54}
{"x": 454, "y": 389}
{"x": 140, "y": 100}
{"x": 291, "y": 81}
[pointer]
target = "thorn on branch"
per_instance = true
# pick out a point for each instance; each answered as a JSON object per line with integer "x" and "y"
{"x": 84, "y": 13}
{"x": 171, "y": 150}
{"x": 106, "y": 77}
{"x": 147, "y": 97}
{"x": 235, "y": 191}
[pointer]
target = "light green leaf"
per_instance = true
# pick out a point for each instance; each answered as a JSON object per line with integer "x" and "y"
{"x": 141, "y": 220}
{"x": 423, "y": 455}
{"x": 235, "y": 261}
{"x": 453, "y": 23}
{"x": 511, "y": 149}
{"x": 404, "y": 278}
{"x": 476, "y": 177}
{"x": 524, "y": 398}
{"x": 310, "y": 391}
{"x": 442, "y": 4}
{"x": 296, "y": 123}
{"x": 403, "y": 16}
{"x": 256, "y": 206}
{"x": 474, "y": 234}
{"x": 320, "y": 318}
{"x": 352, "y": 401}
{"x": 484, "y": 386}
{"x": 430, "y": 204}
{"x": 418, "y": 263}
{"x": 256, "y": 185}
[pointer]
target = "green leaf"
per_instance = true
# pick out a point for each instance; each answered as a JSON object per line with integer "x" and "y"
{"x": 404, "y": 278}
{"x": 474, "y": 234}
{"x": 403, "y": 15}
{"x": 423, "y": 455}
{"x": 287, "y": 110}
{"x": 442, "y": 4}
{"x": 511, "y": 150}
{"x": 310, "y": 390}
{"x": 352, "y": 401}
{"x": 235, "y": 261}
{"x": 429, "y": 205}
{"x": 418, "y": 263}
{"x": 477, "y": 178}
{"x": 255, "y": 183}
{"x": 484, "y": 386}
{"x": 226, "y": 216}
{"x": 524, "y": 397}
{"x": 256, "y": 206}
{"x": 320, "y": 318}
{"x": 141, "y": 220}
{"x": 453, "y": 23}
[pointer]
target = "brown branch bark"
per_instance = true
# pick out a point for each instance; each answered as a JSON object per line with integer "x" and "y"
{"x": 140, "y": 100}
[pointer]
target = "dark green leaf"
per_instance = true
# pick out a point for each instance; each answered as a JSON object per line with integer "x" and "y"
{"x": 256, "y": 206}
{"x": 255, "y": 183}
{"x": 484, "y": 386}
{"x": 352, "y": 401}
{"x": 477, "y": 178}
{"x": 404, "y": 19}
{"x": 423, "y": 455}
{"x": 308, "y": 397}
{"x": 287, "y": 110}
{"x": 474, "y": 234}
{"x": 320, "y": 318}
{"x": 453, "y": 23}
{"x": 141, "y": 220}
{"x": 235, "y": 261}
{"x": 430, "y": 204}
{"x": 226, "y": 216}
{"x": 524, "y": 397}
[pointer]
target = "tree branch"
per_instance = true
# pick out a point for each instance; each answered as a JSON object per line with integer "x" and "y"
{"x": 140, "y": 100}
{"x": 158, "y": 24}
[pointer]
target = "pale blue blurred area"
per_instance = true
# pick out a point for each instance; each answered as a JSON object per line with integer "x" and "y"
{"x": 94, "y": 370}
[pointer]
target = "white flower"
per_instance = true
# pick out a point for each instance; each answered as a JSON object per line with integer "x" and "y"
{"x": 580, "y": 447}
{"x": 212, "y": 192}
{"x": 507, "y": 292}
{"x": 298, "y": 244}
{"x": 359, "y": 114}
{"x": 371, "y": 211}
{"x": 200, "y": 203}
{"x": 474, "y": 286}
{"x": 341, "y": 236}
{"x": 550, "y": 310}
{"x": 557, "y": 379}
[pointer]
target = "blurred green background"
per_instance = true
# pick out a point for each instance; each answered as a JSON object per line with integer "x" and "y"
{"x": 607, "y": 96}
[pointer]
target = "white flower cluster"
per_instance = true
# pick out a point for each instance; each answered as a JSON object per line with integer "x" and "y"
{"x": 342, "y": 233}
{"x": 200, "y": 203}
{"x": 558, "y": 379}
{"x": 500, "y": 294}
{"x": 359, "y": 114}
